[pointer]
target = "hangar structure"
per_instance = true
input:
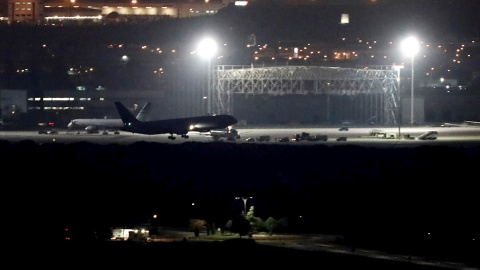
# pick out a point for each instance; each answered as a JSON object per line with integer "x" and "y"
{"x": 370, "y": 94}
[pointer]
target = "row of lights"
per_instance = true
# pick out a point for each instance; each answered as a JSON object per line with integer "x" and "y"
{"x": 336, "y": 55}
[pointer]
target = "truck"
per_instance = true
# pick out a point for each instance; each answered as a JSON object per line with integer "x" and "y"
{"x": 319, "y": 138}
{"x": 264, "y": 138}
{"x": 124, "y": 234}
{"x": 229, "y": 134}
{"x": 305, "y": 136}
{"x": 382, "y": 135}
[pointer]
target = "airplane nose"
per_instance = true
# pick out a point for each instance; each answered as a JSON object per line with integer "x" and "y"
{"x": 71, "y": 124}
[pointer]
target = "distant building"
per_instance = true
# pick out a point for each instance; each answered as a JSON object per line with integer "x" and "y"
{"x": 25, "y": 11}
{"x": 59, "y": 107}
{"x": 40, "y": 11}
{"x": 3, "y": 12}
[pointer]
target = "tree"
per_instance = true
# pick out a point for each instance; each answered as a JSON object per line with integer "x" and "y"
{"x": 250, "y": 213}
{"x": 240, "y": 225}
{"x": 271, "y": 224}
{"x": 197, "y": 225}
{"x": 254, "y": 222}
{"x": 283, "y": 223}
{"x": 228, "y": 225}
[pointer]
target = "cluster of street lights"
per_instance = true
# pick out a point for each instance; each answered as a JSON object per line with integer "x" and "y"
{"x": 244, "y": 203}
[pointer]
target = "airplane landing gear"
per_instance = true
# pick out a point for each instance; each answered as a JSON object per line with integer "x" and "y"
{"x": 171, "y": 137}
{"x": 185, "y": 136}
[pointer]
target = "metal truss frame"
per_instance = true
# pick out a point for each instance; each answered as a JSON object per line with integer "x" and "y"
{"x": 303, "y": 80}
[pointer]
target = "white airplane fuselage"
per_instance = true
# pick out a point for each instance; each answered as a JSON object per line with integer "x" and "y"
{"x": 95, "y": 124}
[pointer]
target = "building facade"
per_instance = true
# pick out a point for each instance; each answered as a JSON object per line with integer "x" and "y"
{"x": 30, "y": 11}
{"x": 51, "y": 11}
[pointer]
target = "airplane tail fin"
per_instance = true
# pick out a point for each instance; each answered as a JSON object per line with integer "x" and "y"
{"x": 143, "y": 114}
{"x": 128, "y": 118}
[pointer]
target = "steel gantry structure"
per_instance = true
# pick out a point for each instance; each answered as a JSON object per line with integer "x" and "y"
{"x": 373, "y": 91}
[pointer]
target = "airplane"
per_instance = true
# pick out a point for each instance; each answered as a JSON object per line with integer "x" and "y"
{"x": 179, "y": 126}
{"x": 93, "y": 125}
{"x": 472, "y": 123}
{"x": 464, "y": 124}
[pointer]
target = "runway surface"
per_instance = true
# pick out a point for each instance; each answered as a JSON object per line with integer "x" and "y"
{"x": 454, "y": 136}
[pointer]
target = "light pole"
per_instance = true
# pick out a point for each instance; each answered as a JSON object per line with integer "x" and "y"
{"x": 244, "y": 203}
{"x": 399, "y": 105}
{"x": 207, "y": 49}
{"x": 410, "y": 47}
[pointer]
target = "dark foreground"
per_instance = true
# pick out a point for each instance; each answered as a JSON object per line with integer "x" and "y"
{"x": 229, "y": 254}
{"x": 420, "y": 200}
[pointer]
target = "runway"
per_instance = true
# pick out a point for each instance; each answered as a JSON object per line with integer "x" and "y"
{"x": 454, "y": 136}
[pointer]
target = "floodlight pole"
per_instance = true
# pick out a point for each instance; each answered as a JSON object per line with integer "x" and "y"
{"x": 207, "y": 48}
{"x": 399, "y": 104}
{"x": 209, "y": 87}
{"x": 410, "y": 47}
{"x": 412, "y": 121}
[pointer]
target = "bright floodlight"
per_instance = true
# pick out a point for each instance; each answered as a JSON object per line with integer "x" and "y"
{"x": 207, "y": 47}
{"x": 410, "y": 46}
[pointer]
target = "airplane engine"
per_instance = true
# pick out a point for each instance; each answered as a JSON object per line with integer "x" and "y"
{"x": 91, "y": 129}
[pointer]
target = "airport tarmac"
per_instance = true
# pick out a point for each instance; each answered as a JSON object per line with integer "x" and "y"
{"x": 354, "y": 136}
